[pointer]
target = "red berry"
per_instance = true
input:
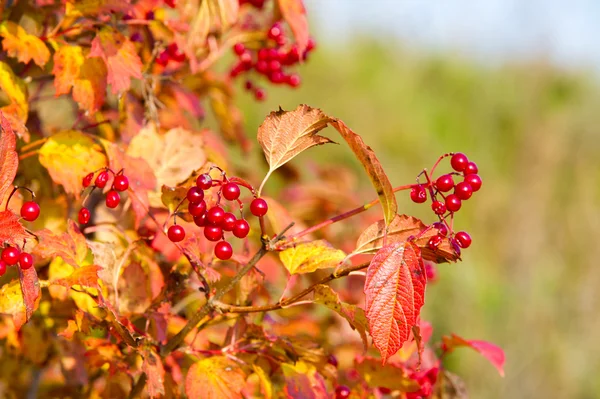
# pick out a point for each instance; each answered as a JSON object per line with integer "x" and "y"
{"x": 150, "y": 15}
{"x": 2, "y": 268}
{"x": 332, "y": 360}
{"x": 262, "y": 67}
{"x": 471, "y": 168}
{"x": 239, "y": 48}
{"x": 276, "y": 77}
{"x": 463, "y": 190}
{"x": 438, "y": 207}
{"x": 474, "y": 181}
{"x": 204, "y": 181}
{"x": 434, "y": 242}
{"x": 384, "y": 390}
{"x": 274, "y": 66}
{"x": 311, "y": 44}
{"x": 248, "y": 85}
{"x": 171, "y": 3}
{"x": 84, "y": 216}
{"x": 275, "y": 32}
{"x": 342, "y": 392}
{"x": 260, "y": 95}
{"x": 418, "y": 194}
{"x": 453, "y": 203}
{"x": 112, "y": 199}
{"x": 294, "y": 80}
{"x": 163, "y": 58}
{"x": 195, "y": 195}
{"x": 455, "y": 246}
{"x": 175, "y": 53}
{"x": 30, "y": 211}
{"x": 197, "y": 208}
{"x": 228, "y": 222}
{"x": 87, "y": 180}
{"x": 10, "y": 255}
{"x": 121, "y": 183}
{"x": 101, "y": 179}
{"x": 200, "y": 221}
{"x": 241, "y": 228}
{"x": 213, "y": 233}
{"x": 223, "y": 250}
{"x": 215, "y": 215}
{"x": 259, "y": 207}
{"x": 25, "y": 260}
{"x": 444, "y": 183}
{"x": 459, "y": 161}
{"x": 176, "y": 233}
{"x": 231, "y": 191}
{"x": 441, "y": 228}
{"x": 463, "y": 239}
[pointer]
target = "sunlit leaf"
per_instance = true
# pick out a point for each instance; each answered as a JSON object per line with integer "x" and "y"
{"x": 14, "y": 88}
{"x": 324, "y": 295}
{"x": 120, "y": 56}
{"x": 155, "y": 372}
{"x": 310, "y": 256}
{"x": 86, "y": 276}
{"x": 294, "y": 13}
{"x": 70, "y": 245}
{"x": 20, "y": 298}
{"x": 212, "y": 16}
{"x": 69, "y": 156}
{"x": 285, "y": 134}
{"x": 399, "y": 230}
{"x": 215, "y": 378}
{"x": 11, "y": 230}
{"x": 395, "y": 293}
{"x": 491, "y": 352}
{"x": 94, "y": 7}
{"x": 25, "y": 47}
{"x": 86, "y": 75}
{"x": 9, "y": 160}
{"x": 390, "y": 375}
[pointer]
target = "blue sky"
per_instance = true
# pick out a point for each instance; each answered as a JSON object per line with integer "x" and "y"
{"x": 566, "y": 31}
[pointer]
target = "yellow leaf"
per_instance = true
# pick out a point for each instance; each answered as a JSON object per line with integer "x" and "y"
{"x": 86, "y": 75}
{"x": 310, "y": 256}
{"x": 265, "y": 382}
{"x": 14, "y": 88}
{"x": 25, "y": 47}
{"x": 215, "y": 378}
{"x": 69, "y": 156}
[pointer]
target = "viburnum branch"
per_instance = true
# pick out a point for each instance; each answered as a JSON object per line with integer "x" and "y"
{"x": 176, "y": 340}
{"x": 227, "y": 308}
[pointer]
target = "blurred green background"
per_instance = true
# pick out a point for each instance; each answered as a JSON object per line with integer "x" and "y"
{"x": 529, "y": 282}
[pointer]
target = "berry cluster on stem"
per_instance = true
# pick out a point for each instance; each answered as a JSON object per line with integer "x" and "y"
{"x": 112, "y": 199}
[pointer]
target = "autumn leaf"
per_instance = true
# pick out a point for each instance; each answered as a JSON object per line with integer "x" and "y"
{"x": 20, "y": 298}
{"x": 20, "y": 44}
{"x": 215, "y": 378}
{"x": 395, "y": 293}
{"x": 154, "y": 370}
{"x": 15, "y": 89}
{"x": 325, "y": 295}
{"x": 69, "y": 156}
{"x": 285, "y": 134}
{"x": 391, "y": 375}
{"x": 9, "y": 160}
{"x": 491, "y": 352}
{"x": 399, "y": 230}
{"x": 70, "y": 245}
{"x": 302, "y": 381}
{"x": 294, "y": 13}
{"x": 78, "y": 8}
{"x": 11, "y": 230}
{"x": 310, "y": 256}
{"x": 120, "y": 56}
{"x": 229, "y": 116}
{"x": 86, "y": 276}
{"x": 373, "y": 167}
{"x": 212, "y": 16}
{"x": 86, "y": 75}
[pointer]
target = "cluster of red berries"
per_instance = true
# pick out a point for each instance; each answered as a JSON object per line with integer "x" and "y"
{"x": 444, "y": 203}
{"x": 171, "y": 53}
{"x": 13, "y": 255}
{"x": 216, "y": 220}
{"x": 255, "y": 3}
{"x": 271, "y": 62}
{"x": 113, "y": 198}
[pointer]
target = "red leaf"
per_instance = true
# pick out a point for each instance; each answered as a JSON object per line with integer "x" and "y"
{"x": 70, "y": 246}
{"x": 395, "y": 293}
{"x": 491, "y": 352}
{"x": 294, "y": 13}
{"x": 119, "y": 55}
{"x": 30, "y": 287}
{"x": 9, "y": 160}
{"x": 154, "y": 370}
{"x": 11, "y": 231}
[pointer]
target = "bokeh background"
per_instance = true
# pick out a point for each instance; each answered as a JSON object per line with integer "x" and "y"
{"x": 514, "y": 85}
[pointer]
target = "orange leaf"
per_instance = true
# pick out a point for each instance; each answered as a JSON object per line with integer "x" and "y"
{"x": 395, "y": 293}
{"x": 369, "y": 160}
{"x": 154, "y": 370}
{"x": 285, "y": 134}
{"x": 86, "y": 75}
{"x": 70, "y": 246}
{"x": 86, "y": 276}
{"x": 399, "y": 230}
{"x": 15, "y": 89}
{"x": 25, "y": 47}
{"x": 215, "y": 378}
{"x": 491, "y": 352}
{"x": 294, "y": 13}
{"x": 20, "y": 298}
{"x": 212, "y": 16}
{"x": 30, "y": 288}
{"x": 119, "y": 55}
{"x": 9, "y": 160}
{"x": 77, "y": 8}
{"x": 11, "y": 230}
